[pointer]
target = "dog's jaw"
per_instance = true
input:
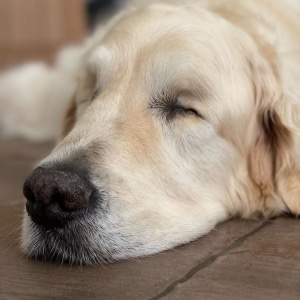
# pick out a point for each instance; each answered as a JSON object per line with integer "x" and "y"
{"x": 101, "y": 239}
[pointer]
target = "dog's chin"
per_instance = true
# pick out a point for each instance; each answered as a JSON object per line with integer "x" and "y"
{"x": 93, "y": 240}
{"x": 75, "y": 243}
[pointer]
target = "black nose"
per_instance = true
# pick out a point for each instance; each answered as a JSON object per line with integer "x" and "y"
{"x": 55, "y": 197}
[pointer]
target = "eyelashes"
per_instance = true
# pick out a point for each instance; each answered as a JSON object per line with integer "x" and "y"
{"x": 170, "y": 108}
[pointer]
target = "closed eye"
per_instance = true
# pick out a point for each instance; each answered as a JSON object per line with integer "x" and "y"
{"x": 171, "y": 108}
{"x": 181, "y": 110}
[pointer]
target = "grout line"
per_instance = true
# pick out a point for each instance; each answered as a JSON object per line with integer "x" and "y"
{"x": 204, "y": 264}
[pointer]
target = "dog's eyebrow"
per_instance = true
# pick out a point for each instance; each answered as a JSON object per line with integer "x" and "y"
{"x": 201, "y": 87}
{"x": 200, "y": 91}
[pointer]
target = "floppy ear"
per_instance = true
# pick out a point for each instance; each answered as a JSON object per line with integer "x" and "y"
{"x": 272, "y": 166}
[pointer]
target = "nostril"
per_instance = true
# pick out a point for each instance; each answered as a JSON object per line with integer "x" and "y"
{"x": 28, "y": 193}
{"x": 30, "y": 207}
{"x": 72, "y": 197}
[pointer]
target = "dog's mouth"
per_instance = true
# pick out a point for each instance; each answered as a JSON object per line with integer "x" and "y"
{"x": 71, "y": 244}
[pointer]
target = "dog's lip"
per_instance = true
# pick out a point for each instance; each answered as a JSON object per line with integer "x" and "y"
{"x": 67, "y": 244}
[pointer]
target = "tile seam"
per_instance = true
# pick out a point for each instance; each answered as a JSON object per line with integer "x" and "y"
{"x": 209, "y": 261}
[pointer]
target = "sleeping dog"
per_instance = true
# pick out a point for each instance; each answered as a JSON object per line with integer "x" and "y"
{"x": 184, "y": 116}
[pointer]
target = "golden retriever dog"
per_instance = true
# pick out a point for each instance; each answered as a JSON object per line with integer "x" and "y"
{"x": 185, "y": 115}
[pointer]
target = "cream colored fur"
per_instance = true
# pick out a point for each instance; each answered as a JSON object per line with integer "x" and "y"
{"x": 170, "y": 180}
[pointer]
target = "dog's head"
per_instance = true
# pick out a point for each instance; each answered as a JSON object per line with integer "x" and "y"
{"x": 167, "y": 135}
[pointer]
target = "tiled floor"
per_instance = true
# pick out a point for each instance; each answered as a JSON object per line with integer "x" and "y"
{"x": 238, "y": 260}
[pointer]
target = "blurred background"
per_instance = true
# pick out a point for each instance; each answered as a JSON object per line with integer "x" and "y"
{"x": 37, "y": 29}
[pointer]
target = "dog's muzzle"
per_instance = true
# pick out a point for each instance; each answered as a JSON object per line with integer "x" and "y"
{"x": 55, "y": 197}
